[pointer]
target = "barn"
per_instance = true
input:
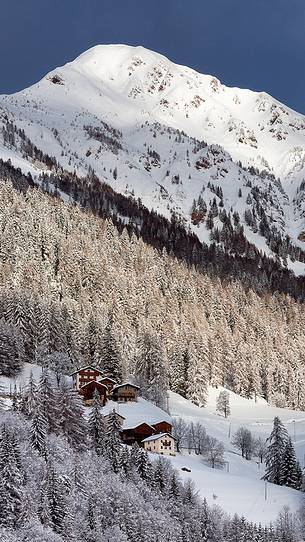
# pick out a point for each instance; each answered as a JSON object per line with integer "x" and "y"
{"x": 84, "y": 375}
{"x": 88, "y": 389}
{"x": 108, "y": 382}
{"x": 126, "y": 392}
{"x": 163, "y": 427}
{"x": 137, "y": 434}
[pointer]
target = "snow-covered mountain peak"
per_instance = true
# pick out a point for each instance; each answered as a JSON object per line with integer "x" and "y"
{"x": 142, "y": 123}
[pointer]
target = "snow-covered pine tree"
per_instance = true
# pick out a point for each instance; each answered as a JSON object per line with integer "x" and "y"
{"x": 290, "y": 471}
{"x": 16, "y": 399}
{"x": 197, "y": 377}
{"x": 38, "y": 431}
{"x": 110, "y": 360}
{"x": 11, "y": 480}
{"x": 11, "y": 350}
{"x": 113, "y": 445}
{"x": 275, "y": 452}
{"x": 47, "y": 399}
{"x": 71, "y": 418}
{"x": 177, "y": 372}
{"x": 58, "y": 511}
{"x": 29, "y": 397}
{"x": 150, "y": 368}
{"x": 223, "y": 403}
{"x": 96, "y": 423}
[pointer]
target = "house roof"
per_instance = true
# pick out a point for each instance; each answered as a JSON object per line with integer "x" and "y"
{"x": 107, "y": 378}
{"x": 138, "y": 425}
{"x": 126, "y": 384}
{"x": 87, "y": 367}
{"x": 137, "y": 413}
{"x": 93, "y": 382}
{"x": 162, "y": 421}
{"x": 157, "y": 437}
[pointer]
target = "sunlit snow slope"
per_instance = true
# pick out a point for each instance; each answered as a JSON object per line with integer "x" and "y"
{"x": 238, "y": 487}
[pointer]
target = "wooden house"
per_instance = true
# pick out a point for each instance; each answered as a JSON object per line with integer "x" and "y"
{"x": 108, "y": 382}
{"x": 84, "y": 375}
{"x": 163, "y": 427}
{"x": 137, "y": 433}
{"x": 124, "y": 393}
{"x": 161, "y": 443}
{"x": 87, "y": 391}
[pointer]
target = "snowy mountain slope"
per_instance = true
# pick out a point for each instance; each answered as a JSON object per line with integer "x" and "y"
{"x": 141, "y": 123}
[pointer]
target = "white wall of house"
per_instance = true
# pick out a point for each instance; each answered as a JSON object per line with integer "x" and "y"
{"x": 163, "y": 446}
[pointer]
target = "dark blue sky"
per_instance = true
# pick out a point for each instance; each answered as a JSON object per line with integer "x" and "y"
{"x": 258, "y": 44}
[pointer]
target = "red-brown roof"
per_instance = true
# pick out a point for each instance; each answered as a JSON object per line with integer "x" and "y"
{"x": 87, "y": 367}
{"x": 95, "y": 383}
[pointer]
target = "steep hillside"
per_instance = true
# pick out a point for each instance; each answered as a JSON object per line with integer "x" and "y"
{"x": 71, "y": 282}
{"x": 215, "y": 157}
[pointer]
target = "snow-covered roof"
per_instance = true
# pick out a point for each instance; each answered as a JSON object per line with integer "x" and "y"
{"x": 93, "y": 382}
{"x": 125, "y": 384}
{"x": 157, "y": 437}
{"x": 136, "y": 413}
{"x": 86, "y": 367}
{"x": 107, "y": 378}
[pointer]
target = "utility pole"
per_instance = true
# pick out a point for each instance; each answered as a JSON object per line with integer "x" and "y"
{"x": 293, "y": 421}
{"x": 266, "y": 495}
{"x": 229, "y": 435}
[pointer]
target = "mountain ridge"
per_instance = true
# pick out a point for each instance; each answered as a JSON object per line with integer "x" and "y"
{"x": 165, "y": 134}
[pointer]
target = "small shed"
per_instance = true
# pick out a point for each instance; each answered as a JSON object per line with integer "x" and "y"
{"x": 88, "y": 389}
{"x": 108, "y": 382}
{"x": 161, "y": 443}
{"x": 163, "y": 427}
{"x": 131, "y": 435}
{"x": 84, "y": 375}
{"x": 126, "y": 392}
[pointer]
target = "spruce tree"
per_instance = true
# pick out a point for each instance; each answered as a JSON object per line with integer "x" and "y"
{"x": 113, "y": 445}
{"x": 223, "y": 403}
{"x": 47, "y": 399}
{"x": 110, "y": 360}
{"x": 290, "y": 471}
{"x": 97, "y": 429}
{"x": 57, "y": 504}
{"x": 275, "y": 452}
{"x": 72, "y": 421}
{"x": 38, "y": 431}
{"x": 150, "y": 368}
{"x": 29, "y": 397}
{"x": 11, "y": 480}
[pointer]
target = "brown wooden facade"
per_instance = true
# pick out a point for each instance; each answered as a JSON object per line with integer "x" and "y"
{"x": 125, "y": 393}
{"x": 84, "y": 375}
{"x": 88, "y": 389}
{"x": 137, "y": 434}
{"x": 108, "y": 382}
{"x": 163, "y": 427}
